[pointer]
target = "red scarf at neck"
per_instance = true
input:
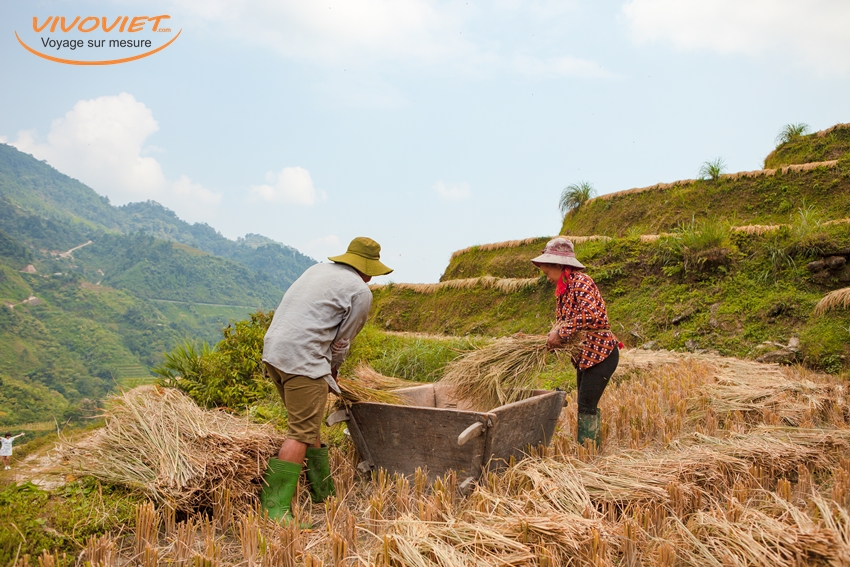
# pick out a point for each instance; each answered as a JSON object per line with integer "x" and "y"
{"x": 563, "y": 282}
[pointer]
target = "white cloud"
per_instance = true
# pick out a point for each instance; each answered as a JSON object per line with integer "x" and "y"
{"x": 188, "y": 191}
{"x": 290, "y": 185}
{"x": 337, "y": 30}
{"x": 325, "y": 246}
{"x": 453, "y": 191}
{"x": 557, "y": 66}
{"x": 814, "y": 32}
{"x": 368, "y": 33}
{"x": 331, "y": 240}
{"x": 101, "y": 142}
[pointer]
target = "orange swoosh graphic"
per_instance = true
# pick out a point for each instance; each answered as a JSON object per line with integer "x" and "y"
{"x": 106, "y": 62}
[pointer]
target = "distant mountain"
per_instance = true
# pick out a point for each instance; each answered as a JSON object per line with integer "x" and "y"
{"x": 283, "y": 264}
{"x": 50, "y": 199}
{"x": 91, "y": 295}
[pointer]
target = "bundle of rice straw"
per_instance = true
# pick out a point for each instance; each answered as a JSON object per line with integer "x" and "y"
{"x": 369, "y": 385}
{"x": 501, "y": 372}
{"x": 374, "y": 379}
{"x": 354, "y": 390}
{"x": 158, "y": 441}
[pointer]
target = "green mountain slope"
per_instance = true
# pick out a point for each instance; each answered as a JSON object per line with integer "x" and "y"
{"x": 283, "y": 264}
{"x": 49, "y": 210}
{"x": 91, "y": 295}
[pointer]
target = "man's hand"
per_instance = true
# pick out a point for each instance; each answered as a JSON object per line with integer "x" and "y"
{"x": 335, "y": 374}
{"x": 554, "y": 340}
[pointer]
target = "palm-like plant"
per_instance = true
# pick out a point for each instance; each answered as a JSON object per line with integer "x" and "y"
{"x": 712, "y": 169}
{"x": 575, "y": 195}
{"x": 792, "y": 132}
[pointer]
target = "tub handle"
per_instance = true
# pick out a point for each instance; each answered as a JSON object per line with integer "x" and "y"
{"x": 470, "y": 432}
{"x": 337, "y": 417}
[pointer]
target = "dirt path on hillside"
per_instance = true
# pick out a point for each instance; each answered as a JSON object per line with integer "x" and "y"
{"x": 41, "y": 467}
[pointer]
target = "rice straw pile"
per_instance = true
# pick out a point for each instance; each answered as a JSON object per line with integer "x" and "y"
{"x": 727, "y": 485}
{"x": 157, "y": 440}
{"x": 501, "y": 372}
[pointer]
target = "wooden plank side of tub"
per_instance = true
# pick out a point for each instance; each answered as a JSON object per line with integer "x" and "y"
{"x": 528, "y": 422}
{"x": 402, "y": 438}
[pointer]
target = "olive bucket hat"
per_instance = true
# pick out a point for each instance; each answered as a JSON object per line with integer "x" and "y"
{"x": 363, "y": 254}
{"x": 559, "y": 251}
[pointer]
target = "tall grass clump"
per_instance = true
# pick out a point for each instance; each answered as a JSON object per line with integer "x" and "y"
{"x": 575, "y": 195}
{"x": 791, "y": 132}
{"x": 696, "y": 246}
{"x": 809, "y": 235}
{"x": 778, "y": 259}
{"x": 712, "y": 169}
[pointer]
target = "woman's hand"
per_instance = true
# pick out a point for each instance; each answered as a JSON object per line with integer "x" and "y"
{"x": 554, "y": 340}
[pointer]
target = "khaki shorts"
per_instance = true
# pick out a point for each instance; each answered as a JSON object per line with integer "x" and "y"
{"x": 305, "y": 400}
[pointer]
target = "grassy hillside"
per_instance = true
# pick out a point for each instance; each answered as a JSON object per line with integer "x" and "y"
{"x": 156, "y": 269}
{"x": 833, "y": 143}
{"x": 704, "y": 287}
{"x": 761, "y": 199}
{"x": 505, "y": 260}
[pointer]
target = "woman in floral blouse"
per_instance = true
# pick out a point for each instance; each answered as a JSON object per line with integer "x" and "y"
{"x": 581, "y": 309}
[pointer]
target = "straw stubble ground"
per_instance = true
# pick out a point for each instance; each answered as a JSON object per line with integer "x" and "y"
{"x": 704, "y": 461}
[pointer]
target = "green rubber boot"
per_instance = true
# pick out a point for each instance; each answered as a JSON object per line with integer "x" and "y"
{"x": 279, "y": 485}
{"x": 319, "y": 474}
{"x": 588, "y": 428}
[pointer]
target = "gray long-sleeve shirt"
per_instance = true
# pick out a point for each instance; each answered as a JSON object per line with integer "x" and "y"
{"x": 316, "y": 320}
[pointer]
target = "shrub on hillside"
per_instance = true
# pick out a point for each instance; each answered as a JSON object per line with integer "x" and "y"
{"x": 228, "y": 375}
{"x": 811, "y": 238}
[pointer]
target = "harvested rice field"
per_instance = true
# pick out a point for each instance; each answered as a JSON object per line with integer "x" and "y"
{"x": 704, "y": 461}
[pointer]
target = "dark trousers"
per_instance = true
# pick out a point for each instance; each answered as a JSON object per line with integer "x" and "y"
{"x": 591, "y": 382}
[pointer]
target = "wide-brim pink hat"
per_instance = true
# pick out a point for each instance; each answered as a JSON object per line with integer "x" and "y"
{"x": 559, "y": 251}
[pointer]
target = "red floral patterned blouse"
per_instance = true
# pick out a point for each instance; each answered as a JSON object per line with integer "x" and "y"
{"x": 581, "y": 308}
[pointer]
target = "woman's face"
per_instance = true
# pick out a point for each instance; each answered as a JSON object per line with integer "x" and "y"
{"x": 553, "y": 271}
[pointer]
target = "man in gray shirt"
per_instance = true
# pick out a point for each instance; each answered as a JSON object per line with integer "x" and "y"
{"x": 308, "y": 339}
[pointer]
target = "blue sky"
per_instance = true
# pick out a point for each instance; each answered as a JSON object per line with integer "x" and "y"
{"x": 429, "y": 126}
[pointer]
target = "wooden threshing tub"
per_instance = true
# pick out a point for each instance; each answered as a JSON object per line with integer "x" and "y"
{"x": 432, "y": 432}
